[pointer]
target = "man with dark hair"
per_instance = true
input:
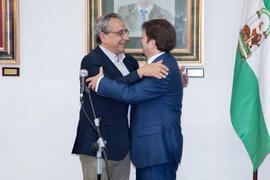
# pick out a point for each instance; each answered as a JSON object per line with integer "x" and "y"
{"x": 162, "y": 32}
{"x": 112, "y": 36}
{"x": 156, "y": 138}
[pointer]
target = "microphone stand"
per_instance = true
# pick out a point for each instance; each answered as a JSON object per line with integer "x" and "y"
{"x": 99, "y": 146}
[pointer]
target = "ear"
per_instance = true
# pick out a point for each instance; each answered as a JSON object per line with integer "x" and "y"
{"x": 103, "y": 37}
{"x": 152, "y": 43}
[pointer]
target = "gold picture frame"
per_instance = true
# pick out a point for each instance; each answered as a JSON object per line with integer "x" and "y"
{"x": 188, "y": 17}
{"x": 9, "y": 37}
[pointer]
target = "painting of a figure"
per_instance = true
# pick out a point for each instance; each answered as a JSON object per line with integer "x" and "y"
{"x": 136, "y": 12}
{"x": 185, "y": 15}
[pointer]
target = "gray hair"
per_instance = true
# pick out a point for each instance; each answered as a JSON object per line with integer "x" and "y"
{"x": 102, "y": 25}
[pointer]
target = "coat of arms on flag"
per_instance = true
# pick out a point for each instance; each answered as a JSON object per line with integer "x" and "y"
{"x": 254, "y": 32}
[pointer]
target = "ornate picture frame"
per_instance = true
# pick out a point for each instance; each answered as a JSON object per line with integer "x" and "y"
{"x": 9, "y": 37}
{"x": 187, "y": 20}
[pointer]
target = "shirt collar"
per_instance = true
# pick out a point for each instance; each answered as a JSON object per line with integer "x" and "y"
{"x": 151, "y": 59}
{"x": 113, "y": 57}
{"x": 148, "y": 9}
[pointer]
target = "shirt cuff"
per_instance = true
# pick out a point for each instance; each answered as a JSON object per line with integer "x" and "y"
{"x": 98, "y": 83}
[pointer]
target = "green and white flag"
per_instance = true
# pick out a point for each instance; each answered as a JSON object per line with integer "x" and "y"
{"x": 250, "y": 103}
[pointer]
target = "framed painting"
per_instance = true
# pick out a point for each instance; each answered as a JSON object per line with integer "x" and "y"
{"x": 185, "y": 15}
{"x": 9, "y": 51}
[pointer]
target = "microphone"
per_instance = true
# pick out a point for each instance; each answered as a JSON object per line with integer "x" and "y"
{"x": 83, "y": 75}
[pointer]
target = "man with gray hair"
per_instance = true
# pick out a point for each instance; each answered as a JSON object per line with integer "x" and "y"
{"x": 111, "y": 36}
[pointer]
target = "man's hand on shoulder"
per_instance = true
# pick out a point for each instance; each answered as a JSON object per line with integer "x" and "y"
{"x": 157, "y": 70}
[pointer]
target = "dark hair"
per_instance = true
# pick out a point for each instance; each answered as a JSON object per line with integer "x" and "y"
{"x": 102, "y": 25}
{"x": 162, "y": 32}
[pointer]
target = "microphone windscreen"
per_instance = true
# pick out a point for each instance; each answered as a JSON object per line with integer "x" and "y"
{"x": 83, "y": 73}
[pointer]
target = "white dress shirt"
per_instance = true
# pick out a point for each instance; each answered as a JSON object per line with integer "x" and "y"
{"x": 151, "y": 59}
{"x": 117, "y": 60}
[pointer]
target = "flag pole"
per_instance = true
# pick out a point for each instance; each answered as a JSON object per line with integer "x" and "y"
{"x": 255, "y": 175}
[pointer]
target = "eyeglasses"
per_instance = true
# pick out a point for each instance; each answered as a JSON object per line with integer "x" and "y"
{"x": 121, "y": 32}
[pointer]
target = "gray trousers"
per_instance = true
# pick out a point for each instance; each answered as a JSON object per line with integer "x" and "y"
{"x": 120, "y": 169}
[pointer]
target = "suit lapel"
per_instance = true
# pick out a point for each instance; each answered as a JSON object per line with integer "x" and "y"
{"x": 153, "y": 13}
{"x": 134, "y": 10}
{"x": 128, "y": 65}
{"x": 108, "y": 64}
{"x": 133, "y": 18}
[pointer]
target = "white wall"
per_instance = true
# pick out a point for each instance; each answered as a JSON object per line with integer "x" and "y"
{"x": 39, "y": 109}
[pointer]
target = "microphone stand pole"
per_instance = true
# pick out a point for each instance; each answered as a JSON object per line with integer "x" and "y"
{"x": 99, "y": 146}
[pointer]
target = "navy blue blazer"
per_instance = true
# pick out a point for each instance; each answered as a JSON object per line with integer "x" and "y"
{"x": 114, "y": 126}
{"x": 156, "y": 136}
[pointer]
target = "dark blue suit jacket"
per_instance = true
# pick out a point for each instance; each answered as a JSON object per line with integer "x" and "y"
{"x": 156, "y": 136}
{"x": 114, "y": 126}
